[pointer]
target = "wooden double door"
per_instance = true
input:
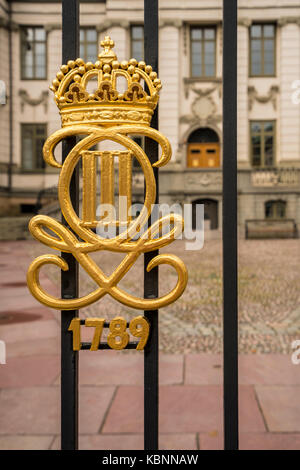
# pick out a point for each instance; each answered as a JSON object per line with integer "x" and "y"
{"x": 203, "y": 155}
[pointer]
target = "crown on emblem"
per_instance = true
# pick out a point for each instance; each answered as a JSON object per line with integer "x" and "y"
{"x": 106, "y": 106}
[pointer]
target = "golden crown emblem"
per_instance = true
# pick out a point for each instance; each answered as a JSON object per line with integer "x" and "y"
{"x": 105, "y": 115}
{"x": 106, "y": 105}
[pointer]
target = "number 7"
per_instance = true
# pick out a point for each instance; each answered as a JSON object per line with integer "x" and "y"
{"x": 98, "y": 324}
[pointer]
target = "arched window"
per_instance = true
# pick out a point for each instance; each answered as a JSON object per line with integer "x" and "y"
{"x": 275, "y": 209}
{"x": 203, "y": 149}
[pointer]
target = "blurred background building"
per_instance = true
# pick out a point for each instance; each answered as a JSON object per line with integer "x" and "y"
{"x": 190, "y": 112}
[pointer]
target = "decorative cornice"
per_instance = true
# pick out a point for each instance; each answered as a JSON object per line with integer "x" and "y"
{"x": 247, "y": 22}
{"x": 270, "y": 96}
{"x": 26, "y": 99}
{"x": 176, "y": 23}
{"x": 51, "y": 27}
{"x": 288, "y": 20}
{"x": 9, "y": 25}
{"x": 107, "y": 24}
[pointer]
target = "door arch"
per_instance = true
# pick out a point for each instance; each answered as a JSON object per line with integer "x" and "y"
{"x": 203, "y": 149}
{"x": 210, "y": 213}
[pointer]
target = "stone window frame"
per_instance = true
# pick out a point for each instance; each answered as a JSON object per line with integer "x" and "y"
{"x": 33, "y": 43}
{"x": 203, "y": 27}
{"x": 263, "y": 134}
{"x": 132, "y": 40}
{"x": 263, "y": 38}
{"x": 84, "y": 42}
{"x": 38, "y": 161}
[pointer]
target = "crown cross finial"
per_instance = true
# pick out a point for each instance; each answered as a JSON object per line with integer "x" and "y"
{"x": 108, "y": 54}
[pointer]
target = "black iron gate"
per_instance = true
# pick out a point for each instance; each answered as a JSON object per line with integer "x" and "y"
{"x": 69, "y": 284}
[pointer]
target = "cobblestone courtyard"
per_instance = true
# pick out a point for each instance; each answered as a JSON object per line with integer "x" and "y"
{"x": 111, "y": 382}
{"x": 269, "y": 296}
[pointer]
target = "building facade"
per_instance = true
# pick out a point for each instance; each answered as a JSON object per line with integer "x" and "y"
{"x": 190, "y": 111}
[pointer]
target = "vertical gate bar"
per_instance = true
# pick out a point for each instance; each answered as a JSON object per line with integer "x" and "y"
{"x": 69, "y": 278}
{"x": 151, "y": 278}
{"x": 230, "y": 296}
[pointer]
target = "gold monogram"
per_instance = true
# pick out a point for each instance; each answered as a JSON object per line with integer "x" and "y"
{"x": 105, "y": 114}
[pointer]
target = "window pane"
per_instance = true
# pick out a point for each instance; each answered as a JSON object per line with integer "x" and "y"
{"x": 255, "y": 127}
{"x": 269, "y": 45}
{"x": 256, "y": 157}
{"x": 269, "y": 30}
{"x": 269, "y": 68}
{"x": 196, "y": 70}
{"x": 137, "y": 32}
{"x": 28, "y": 59}
{"x": 209, "y": 33}
{"x": 82, "y": 35}
{"x": 40, "y": 72}
{"x": 91, "y": 52}
{"x": 40, "y": 34}
{"x": 209, "y": 70}
{"x": 256, "y": 31}
{"x": 256, "y": 140}
{"x": 269, "y": 156}
{"x": 209, "y": 47}
{"x": 255, "y": 45}
{"x": 91, "y": 35}
{"x": 28, "y": 33}
{"x": 268, "y": 126}
{"x": 137, "y": 50}
{"x": 196, "y": 33}
{"x": 27, "y": 160}
{"x": 256, "y": 68}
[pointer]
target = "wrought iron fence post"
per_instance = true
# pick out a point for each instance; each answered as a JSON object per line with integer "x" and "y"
{"x": 151, "y": 392}
{"x": 69, "y": 278}
{"x": 230, "y": 274}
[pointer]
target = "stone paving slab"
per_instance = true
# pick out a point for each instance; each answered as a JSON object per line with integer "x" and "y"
{"x": 117, "y": 368}
{"x": 187, "y": 409}
{"x": 29, "y": 371}
{"x": 253, "y": 441}
{"x": 44, "y": 346}
{"x": 25, "y": 442}
{"x": 280, "y": 406}
{"x": 264, "y": 369}
{"x": 35, "y": 410}
{"x": 132, "y": 442}
{"x": 29, "y": 331}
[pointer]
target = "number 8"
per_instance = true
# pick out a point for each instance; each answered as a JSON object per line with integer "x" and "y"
{"x": 118, "y": 328}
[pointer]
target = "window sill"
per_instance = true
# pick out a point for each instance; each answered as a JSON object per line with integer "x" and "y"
{"x": 189, "y": 80}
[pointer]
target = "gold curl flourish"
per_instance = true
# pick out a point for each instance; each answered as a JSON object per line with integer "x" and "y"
{"x": 55, "y": 235}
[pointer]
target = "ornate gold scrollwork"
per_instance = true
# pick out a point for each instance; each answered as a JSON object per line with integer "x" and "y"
{"x": 72, "y": 98}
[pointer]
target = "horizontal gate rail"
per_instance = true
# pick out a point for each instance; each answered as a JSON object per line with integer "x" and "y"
{"x": 230, "y": 275}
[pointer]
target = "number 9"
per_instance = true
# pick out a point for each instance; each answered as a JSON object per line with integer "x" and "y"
{"x": 139, "y": 327}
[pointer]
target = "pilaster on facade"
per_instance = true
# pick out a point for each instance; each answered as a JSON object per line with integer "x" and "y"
{"x": 289, "y": 112}
{"x": 169, "y": 73}
{"x": 242, "y": 101}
